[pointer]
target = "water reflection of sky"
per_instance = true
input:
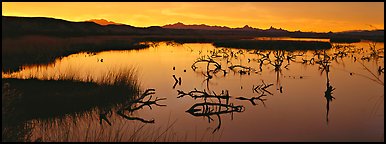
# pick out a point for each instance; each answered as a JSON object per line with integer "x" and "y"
{"x": 296, "y": 114}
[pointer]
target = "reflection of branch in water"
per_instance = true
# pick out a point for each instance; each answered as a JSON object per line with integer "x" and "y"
{"x": 207, "y": 79}
{"x": 243, "y": 69}
{"x": 130, "y": 107}
{"x": 329, "y": 97}
{"x": 261, "y": 88}
{"x": 146, "y": 103}
{"x": 208, "y": 109}
{"x": 121, "y": 113}
{"x": 176, "y": 81}
{"x": 208, "y": 61}
{"x": 325, "y": 67}
{"x": 204, "y": 95}
{"x": 252, "y": 99}
{"x": 140, "y": 98}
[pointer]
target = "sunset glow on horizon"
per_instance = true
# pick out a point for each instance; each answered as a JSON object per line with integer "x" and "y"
{"x": 292, "y": 16}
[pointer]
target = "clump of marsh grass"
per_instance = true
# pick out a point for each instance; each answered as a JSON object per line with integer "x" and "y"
{"x": 59, "y": 97}
{"x": 123, "y": 75}
{"x": 47, "y": 97}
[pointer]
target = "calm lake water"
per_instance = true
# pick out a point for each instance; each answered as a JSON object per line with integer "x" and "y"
{"x": 293, "y": 108}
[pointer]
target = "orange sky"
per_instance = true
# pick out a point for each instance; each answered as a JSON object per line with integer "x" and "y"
{"x": 304, "y": 16}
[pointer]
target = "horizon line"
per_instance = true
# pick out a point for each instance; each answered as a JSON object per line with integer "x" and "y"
{"x": 117, "y": 23}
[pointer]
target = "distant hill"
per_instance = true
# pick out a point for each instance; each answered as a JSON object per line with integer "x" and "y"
{"x": 103, "y": 22}
{"x": 14, "y": 26}
{"x": 19, "y": 26}
{"x": 180, "y": 25}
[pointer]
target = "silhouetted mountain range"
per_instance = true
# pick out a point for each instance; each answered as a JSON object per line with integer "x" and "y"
{"x": 103, "y": 22}
{"x": 18, "y": 26}
{"x": 180, "y": 25}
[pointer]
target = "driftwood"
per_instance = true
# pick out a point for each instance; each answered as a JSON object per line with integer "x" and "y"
{"x": 208, "y": 109}
{"x": 179, "y": 81}
{"x": 146, "y": 103}
{"x": 252, "y": 99}
{"x": 121, "y": 113}
{"x": 243, "y": 69}
{"x": 130, "y": 107}
{"x": 262, "y": 88}
{"x": 204, "y": 95}
{"x": 208, "y": 61}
